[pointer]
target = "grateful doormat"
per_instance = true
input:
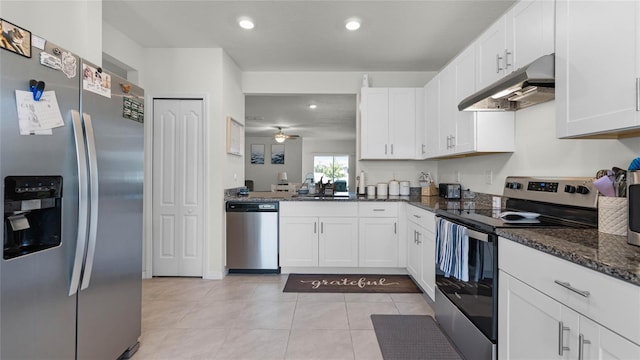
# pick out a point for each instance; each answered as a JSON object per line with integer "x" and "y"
{"x": 332, "y": 283}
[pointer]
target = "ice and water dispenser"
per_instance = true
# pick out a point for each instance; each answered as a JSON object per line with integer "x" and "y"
{"x": 32, "y": 214}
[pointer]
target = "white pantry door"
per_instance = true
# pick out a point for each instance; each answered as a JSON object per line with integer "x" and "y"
{"x": 177, "y": 187}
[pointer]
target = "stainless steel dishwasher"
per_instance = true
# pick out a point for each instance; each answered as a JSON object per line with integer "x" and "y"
{"x": 252, "y": 237}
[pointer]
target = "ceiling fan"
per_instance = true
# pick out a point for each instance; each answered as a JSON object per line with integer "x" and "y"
{"x": 281, "y": 137}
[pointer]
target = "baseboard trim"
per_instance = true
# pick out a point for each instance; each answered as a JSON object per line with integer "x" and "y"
{"x": 214, "y": 275}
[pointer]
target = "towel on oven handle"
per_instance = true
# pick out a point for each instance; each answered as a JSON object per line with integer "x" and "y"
{"x": 452, "y": 249}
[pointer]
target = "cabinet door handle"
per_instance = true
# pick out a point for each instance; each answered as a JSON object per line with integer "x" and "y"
{"x": 637, "y": 94}
{"x": 322, "y": 227}
{"x": 506, "y": 58}
{"x": 391, "y": 149}
{"x": 453, "y": 141}
{"x": 568, "y": 286}
{"x": 423, "y": 148}
{"x": 419, "y": 236}
{"x": 561, "y": 330}
{"x": 385, "y": 149}
{"x": 415, "y": 237}
{"x": 498, "y": 68}
{"x": 315, "y": 227}
{"x": 581, "y": 342}
{"x": 395, "y": 228}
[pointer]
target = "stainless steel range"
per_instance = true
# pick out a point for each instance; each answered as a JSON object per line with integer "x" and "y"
{"x": 466, "y": 303}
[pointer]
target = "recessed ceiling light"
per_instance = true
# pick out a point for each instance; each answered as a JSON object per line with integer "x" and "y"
{"x": 353, "y": 24}
{"x": 246, "y": 23}
{"x": 312, "y": 106}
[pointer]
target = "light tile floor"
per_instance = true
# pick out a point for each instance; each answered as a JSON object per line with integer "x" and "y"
{"x": 247, "y": 317}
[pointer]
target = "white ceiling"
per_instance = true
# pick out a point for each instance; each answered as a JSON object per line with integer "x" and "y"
{"x": 309, "y": 35}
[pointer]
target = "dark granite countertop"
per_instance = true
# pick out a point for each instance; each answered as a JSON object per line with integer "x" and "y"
{"x": 605, "y": 253}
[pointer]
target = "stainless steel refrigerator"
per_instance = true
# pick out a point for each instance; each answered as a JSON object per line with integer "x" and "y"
{"x": 72, "y": 257}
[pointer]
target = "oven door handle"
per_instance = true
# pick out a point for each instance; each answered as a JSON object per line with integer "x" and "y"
{"x": 478, "y": 235}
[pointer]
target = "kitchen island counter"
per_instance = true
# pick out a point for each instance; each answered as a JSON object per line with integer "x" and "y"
{"x": 605, "y": 253}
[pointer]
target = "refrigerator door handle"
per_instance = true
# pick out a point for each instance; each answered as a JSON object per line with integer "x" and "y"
{"x": 93, "y": 179}
{"x": 83, "y": 201}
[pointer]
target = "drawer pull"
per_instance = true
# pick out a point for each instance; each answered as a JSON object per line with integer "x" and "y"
{"x": 561, "y": 330}
{"x": 378, "y": 209}
{"x": 417, "y": 216}
{"x": 568, "y": 286}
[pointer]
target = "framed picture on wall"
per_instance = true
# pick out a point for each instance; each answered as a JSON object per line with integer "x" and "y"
{"x": 277, "y": 154}
{"x": 235, "y": 137}
{"x": 257, "y": 153}
{"x": 15, "y": 38}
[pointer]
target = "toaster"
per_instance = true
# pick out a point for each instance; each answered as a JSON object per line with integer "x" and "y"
{"x": 450, "y": 191}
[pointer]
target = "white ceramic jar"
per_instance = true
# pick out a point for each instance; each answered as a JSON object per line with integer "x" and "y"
{"x": 382, "y": 189}
{"x": 405, "y": 188}
{"x": 394, "y": 188}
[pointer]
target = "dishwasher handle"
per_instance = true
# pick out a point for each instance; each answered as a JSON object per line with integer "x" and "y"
{"x": 242, "y": 206}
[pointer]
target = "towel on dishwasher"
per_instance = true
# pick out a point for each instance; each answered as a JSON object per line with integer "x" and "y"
{"x": 452, "y": 249}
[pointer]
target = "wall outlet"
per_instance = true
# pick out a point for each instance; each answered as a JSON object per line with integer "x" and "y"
{"x": 488, "y": 177}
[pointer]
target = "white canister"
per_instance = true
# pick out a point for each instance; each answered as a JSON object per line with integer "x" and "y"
{"x": 382, "y": 189}
{"x": 371, "y": 190}
{"x": 394, "y": 188}
{"x": 405, "y": 188}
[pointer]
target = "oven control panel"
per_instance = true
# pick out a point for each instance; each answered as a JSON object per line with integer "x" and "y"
{"x": 572, "y": 191}
{"x": 542, "y": 186}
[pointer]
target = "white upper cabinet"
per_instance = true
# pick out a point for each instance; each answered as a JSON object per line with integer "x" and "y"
{"x": 449, "y": 132}
{"x": 448, "y": 110}
{"x": 431, "y": 131}
{"x": 492, "y": 46}
{"x": 374, "y": 109}
{"x": 523, "y": 34}
{"x": 388, "y": 123}
{"x": 597, "y": 68}
{"x": 530, "y": 32}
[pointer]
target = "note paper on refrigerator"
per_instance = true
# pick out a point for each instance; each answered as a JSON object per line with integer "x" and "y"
{"x": 38, "y": 117}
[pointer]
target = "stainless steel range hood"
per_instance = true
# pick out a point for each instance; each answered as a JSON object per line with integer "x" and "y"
{"x": 529, "y": 85}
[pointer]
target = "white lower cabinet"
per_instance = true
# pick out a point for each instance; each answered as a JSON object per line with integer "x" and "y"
{"x": 537, "y": 325}
{"x": 318, "y": 234}
{"x": 378, "y": 229}
{"x": 379, "y": 242}
{"x": 414, "y": 250}
{"x": 319, "y": 241}
{"x": 338, "y": 242}
{"x": 421, "y": 248}
{"x": 298, "y": 241}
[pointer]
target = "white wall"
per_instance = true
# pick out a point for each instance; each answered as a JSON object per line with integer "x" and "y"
{"x": 382, "y": 171}
{"x": 312, "y": 148}
{"x": 126, "y": 51}
{"x": 166, "y": 75}
{"x": 263, "y": 175}
{"x": 73, "y": 25}
{"x": 232, "y": 106}
{"x": 539, "y": 153}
